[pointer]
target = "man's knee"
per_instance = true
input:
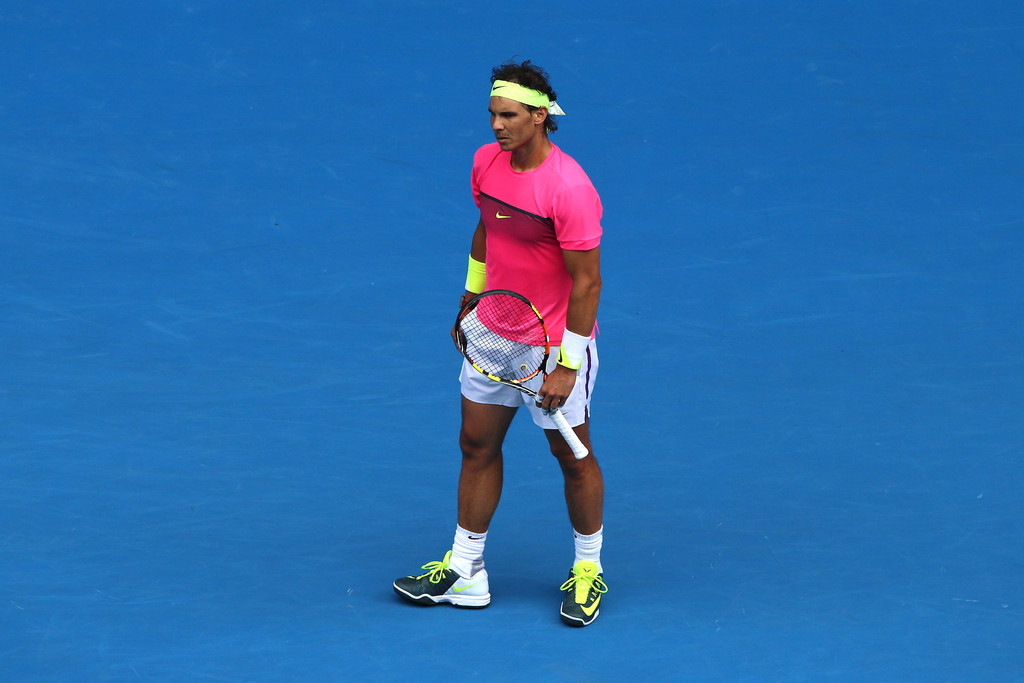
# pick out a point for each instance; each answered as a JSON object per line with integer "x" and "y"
{"x": 478, "y": 446}
{"x": 483, "y": 429}
{"x": 571, "y": 465}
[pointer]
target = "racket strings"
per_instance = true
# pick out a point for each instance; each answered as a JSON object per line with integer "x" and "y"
{"x": 504, "y": 337}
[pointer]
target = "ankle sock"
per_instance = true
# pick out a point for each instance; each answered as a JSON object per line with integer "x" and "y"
{"x": 589, "y": 547}
{"x": 468, "y": 551}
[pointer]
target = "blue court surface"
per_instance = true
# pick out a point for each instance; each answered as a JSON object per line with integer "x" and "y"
{"x": 233, "y": 239}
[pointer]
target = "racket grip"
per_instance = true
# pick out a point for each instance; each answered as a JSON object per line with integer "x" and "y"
{"x": 578, "y": 449}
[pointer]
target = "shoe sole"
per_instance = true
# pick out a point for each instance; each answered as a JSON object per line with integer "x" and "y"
{"x": 463, "y": 601}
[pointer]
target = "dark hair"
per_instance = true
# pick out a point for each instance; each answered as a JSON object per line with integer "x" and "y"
{"x": 531, "y": 76}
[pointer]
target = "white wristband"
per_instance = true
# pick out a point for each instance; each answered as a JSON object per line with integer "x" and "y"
{"x": 573, "y": 349}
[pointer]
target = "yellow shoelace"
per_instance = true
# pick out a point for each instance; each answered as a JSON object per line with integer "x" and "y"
{"x": 592, "y": 583}
{"x": 436, "y": 570}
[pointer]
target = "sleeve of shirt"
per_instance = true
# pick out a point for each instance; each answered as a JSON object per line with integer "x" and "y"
{"x": 474, "y": 178}
{"x": 577, "y": 215}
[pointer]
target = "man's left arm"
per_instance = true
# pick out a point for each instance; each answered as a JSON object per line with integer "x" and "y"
{"x": 585, "y": 270}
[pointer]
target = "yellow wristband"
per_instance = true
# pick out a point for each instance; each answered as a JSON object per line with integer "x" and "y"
{"x": 476, "y": 276}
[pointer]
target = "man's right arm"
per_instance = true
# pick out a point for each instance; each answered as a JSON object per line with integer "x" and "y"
{"x": 478, "y": 250}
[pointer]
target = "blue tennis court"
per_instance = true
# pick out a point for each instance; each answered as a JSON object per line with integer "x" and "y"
{"x": 233, "y": 238}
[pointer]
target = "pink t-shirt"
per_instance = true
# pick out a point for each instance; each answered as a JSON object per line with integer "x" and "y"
{"x": 530, "y": 218}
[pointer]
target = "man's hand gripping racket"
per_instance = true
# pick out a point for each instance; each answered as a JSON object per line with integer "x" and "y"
{"x": 503, "y": 337}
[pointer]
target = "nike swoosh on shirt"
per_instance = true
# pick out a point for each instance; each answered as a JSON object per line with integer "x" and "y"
{"x": 498, "y": 215}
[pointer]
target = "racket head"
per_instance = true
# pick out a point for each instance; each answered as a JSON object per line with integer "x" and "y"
{"x": 503, "y": 336}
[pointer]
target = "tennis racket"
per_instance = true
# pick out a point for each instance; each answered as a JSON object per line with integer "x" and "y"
{"x": 503, "y": 337}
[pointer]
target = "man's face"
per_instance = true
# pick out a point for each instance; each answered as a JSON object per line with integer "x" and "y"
{"x": 513, "y": 124}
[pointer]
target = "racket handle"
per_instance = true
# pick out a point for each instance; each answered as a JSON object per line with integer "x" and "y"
{"x": 578, "y": 449}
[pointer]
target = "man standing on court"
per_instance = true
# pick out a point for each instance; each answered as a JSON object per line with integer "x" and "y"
{"x": 538, "y": 235}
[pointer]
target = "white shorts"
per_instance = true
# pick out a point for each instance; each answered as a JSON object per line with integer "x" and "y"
{"x": 576, "y": 410}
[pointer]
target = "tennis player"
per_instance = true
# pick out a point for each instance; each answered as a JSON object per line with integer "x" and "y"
{"x": 539, "y": 235}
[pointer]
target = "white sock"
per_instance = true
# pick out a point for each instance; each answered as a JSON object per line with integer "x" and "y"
{"x": 468, "y": 552}
{"x": 589, "y": 547}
